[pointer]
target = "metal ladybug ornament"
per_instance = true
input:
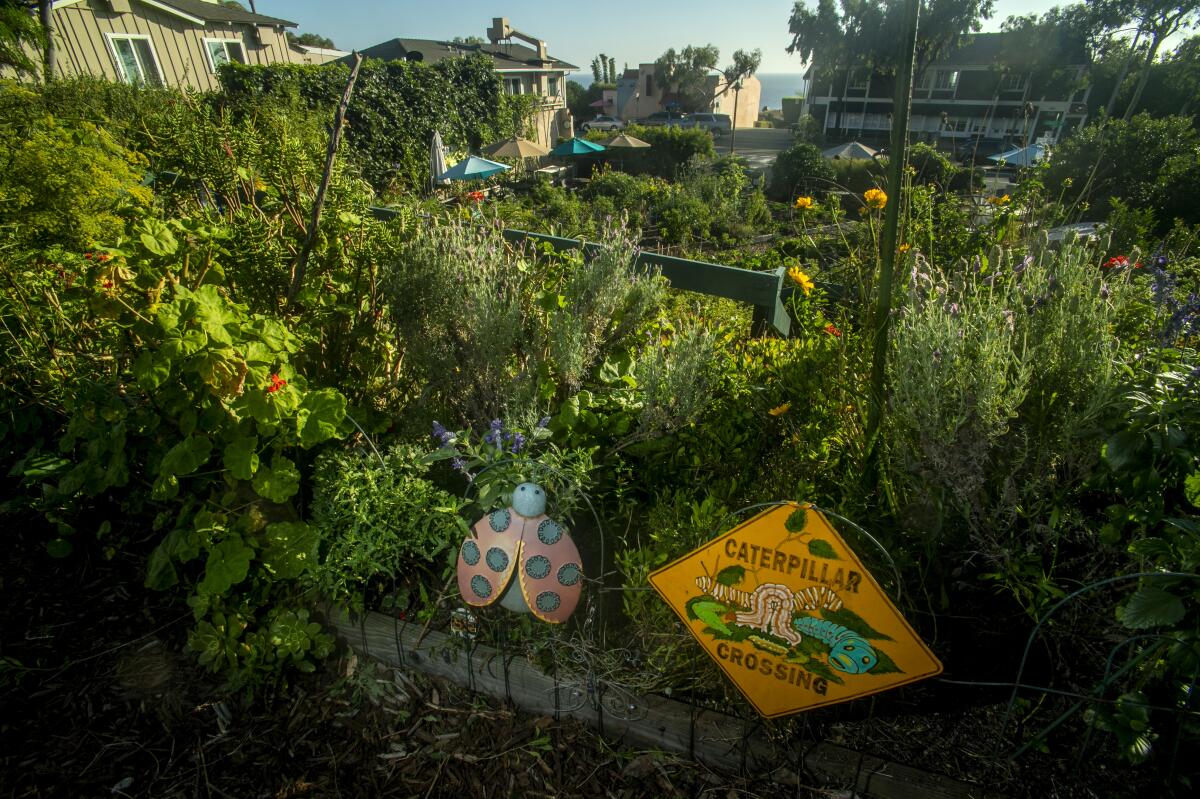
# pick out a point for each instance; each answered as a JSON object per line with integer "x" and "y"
{"x": 521, "y": 540}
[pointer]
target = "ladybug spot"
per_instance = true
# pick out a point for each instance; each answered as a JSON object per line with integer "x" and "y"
{"x": 537, "y": 567}
{"x": 569, "y": 574}
{"x": 470, "y": 553}
{"x": 548, "y": 601}
{"x": 481, "y": 587}
{"x": 497, "y": 559}
{"x": 499, "y": 520}
{"x": 549, "y": 532}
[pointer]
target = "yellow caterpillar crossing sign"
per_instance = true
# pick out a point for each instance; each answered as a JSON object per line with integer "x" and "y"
{"x": 788, "y": 612}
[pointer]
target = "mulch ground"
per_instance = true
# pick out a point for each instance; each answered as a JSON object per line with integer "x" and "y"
{"x": 99, "y": 698}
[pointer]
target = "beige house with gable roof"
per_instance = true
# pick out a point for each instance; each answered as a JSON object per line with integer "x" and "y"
{"x": 176, "y": 43}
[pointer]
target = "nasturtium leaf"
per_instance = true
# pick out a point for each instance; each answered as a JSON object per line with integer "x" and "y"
{"x": 160, "y": 571}
{"x": 1151, "y": 607}
{"x": 241, "y": 457}
{"x": 186, "y": 457}
{"x": 227, "y": 565}
{"x": 150, "y": 370}
{"x": 291, "y": 549}
{"x": 1191, "y": 487}
{"x": 820, "y": 548}
{"x": 157, "y": 237}
{"x": 279, "y": 481}
{"x": 319, "y": 415}
{"x": 59, "y": 547}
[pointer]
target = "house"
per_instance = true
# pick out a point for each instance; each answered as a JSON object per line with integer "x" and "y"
{"x": 967, "y": 97}
{"x": 176, "y": 43}
{"x": 523, "y": 69}
{"x": 640, "y": 94}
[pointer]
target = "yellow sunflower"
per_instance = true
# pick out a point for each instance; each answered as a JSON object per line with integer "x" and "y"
{"x": 875, "y": 198}
{"x": 804, "y": 203}
{"x": 800, "y": 279}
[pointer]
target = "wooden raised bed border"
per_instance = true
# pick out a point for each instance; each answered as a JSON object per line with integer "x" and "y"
{"x": 719, "y": 740}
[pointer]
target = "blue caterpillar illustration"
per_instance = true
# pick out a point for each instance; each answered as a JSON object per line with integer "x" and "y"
{"x": 849, "y": 652}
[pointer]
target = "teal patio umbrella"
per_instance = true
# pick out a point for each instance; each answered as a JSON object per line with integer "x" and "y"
{"x": 577, "y": 146}
{"x": 473, "y": 168}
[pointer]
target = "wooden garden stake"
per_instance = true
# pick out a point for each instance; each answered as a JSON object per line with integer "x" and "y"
{"x": 335, "y": 138}
{"x": 891, "y": 222}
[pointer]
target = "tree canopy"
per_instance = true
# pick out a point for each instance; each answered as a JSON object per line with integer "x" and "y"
{"x": 312, "y": 40}
{"x": 20, "y": 32}
{"x": 685, "y": 74}
{"x": 864, "y": 33}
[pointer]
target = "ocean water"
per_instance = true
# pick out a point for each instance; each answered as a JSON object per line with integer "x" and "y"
{"x": 775, "y": 86}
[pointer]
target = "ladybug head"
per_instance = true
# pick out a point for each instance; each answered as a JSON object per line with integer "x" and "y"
{"x": 529, "y": 499}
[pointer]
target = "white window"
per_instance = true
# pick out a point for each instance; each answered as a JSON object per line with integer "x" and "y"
{"x": 945, "y": 80}
{"x": 1013, "y": 82}
{"x": 224, "y": 51}
{"x": 135, "y": 58}
{"x": 551, "y": 87}
{"x": 924, "y": 80}
{"x": 859, "y": 79}
{"x": 513, "y": 86}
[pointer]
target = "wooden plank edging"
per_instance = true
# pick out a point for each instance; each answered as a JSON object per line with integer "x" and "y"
{"x": 720, "y": 740}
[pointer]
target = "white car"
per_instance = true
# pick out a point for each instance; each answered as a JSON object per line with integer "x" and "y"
{"x": 603, "y": 123}
{"x": 713, "y": 123}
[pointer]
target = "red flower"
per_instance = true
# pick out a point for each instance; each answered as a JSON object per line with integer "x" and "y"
{"x": 475, "y": 196}
{"x": 1116, "y": 262}
{"x": 108, "y": 284}
{"x": 103, "y": 257}
{"x": 832, "y": 330}
{"x": 277, "y": 383}
{"x": 87, "y": 255}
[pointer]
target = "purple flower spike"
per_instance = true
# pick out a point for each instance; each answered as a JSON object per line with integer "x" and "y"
{"x": 543, "y": 423}
{"x": 518, "y": 443}
{"x": 441, "y": 434}
{"x": 458, "y": 464}
{"x": 1026, "y": 262}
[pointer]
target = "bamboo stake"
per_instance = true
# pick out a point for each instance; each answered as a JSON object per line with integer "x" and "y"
{"x": 883, "y": 307}
{"x": 335, "y": 138}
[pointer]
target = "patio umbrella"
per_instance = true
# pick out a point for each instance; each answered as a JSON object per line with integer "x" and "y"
{"x": 516, "y": 148}
{"x": 577, "y": 146}
{"x": 853, "y": 151}
{"x": 627, "y": 141}
{"x": 473, "y": 168}
{"x": 437, "y": 158}
{"x": 1021, "y": 156}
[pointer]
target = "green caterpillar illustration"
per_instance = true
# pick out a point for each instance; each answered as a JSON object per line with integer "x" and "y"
{"x": 849, "y": 652}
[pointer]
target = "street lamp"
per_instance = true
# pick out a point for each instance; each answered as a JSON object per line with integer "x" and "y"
{"x": 737, "y": 88}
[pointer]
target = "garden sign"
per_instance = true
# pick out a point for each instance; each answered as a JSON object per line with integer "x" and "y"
{"x": 788, "y": 612}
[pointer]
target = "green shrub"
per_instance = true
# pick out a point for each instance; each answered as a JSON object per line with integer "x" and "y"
{"x": 800, "y": 170}
{"x": 378, "y": 519}
{"x": 858, "y": 175}
{"x": 671, "y": 149}
{"x": 397, "y": 107}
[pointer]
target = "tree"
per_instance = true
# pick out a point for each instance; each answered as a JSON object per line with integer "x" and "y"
{"x": 468, "y": 40}
{"x": 20, "y": 32}
{"x": 686, "y": 74}
{"x": 311, "y": 40}
{"x": 1156, "y": 20}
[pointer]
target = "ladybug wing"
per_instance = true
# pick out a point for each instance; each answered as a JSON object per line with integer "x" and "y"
{"x": 550, "y": 572}
{"x": 486, "y": 561}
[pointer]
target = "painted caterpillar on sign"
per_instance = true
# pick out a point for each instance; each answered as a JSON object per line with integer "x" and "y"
{"x": 771, "y": 605}
{"x": 849, "y": 652}
{"x": 811, "y": 598}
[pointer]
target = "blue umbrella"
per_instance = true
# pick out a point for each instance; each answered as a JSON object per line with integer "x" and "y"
{"x": 577, "y": 147}
{"x": 1021, "y": 156}
{"x": 473, "y": 168}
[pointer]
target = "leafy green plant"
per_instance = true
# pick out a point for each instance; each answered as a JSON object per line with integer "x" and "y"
{"x": 376, "y": 518}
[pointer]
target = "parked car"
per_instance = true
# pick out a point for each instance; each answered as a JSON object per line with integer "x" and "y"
{"x": 713, "y": 123}
{"x": 602, "y": 123}
{"x": 667, "y": 118}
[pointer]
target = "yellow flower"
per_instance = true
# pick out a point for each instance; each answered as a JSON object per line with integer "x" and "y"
{"x": 780, "y": 410}
{"x": 804, "y": 203}
{"x": 903, "y": 248}
{"x": 999, "y": 200}
{"x": 800, "y": 279}
{"x": 875, "y": 198}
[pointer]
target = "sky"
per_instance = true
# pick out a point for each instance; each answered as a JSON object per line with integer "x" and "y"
{"x": 631, "y": 31}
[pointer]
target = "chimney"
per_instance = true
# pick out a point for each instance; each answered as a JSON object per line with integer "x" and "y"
{"x": 499, "y": 30}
